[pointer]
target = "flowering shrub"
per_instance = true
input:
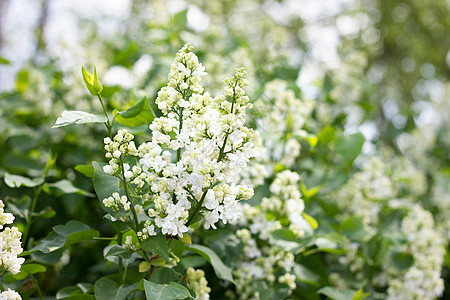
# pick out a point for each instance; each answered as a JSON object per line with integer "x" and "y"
{"x": 185, "y": 175}
{"x": 317, "y": 171}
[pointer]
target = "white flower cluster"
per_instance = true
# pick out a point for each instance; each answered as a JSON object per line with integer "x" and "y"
{"x": 262, "y": 260}
{"x": 128, "y": 244}
{"x": 116, "y": 202}
{"x": 364, "y": 194}
{"x": 148, "y": 230}
{"x": 376, "y": 185}
{"x": 10, "y": 244}
{"x": 10, "y": 295}
{"x": 407, "y": 178}
{"x": 10, "y": 247}
{"x": 117, "y": 150}
{"x": 5, "y": 218}
{"x": 198, "y": 148}
{"x": 268, "y": 268}
{"x": 441, "y": 199}
{"x": 422, "y": 280}
{"x": 282, "y": 121}
{"x": 284, "y": 202}
{"x": 197, "y": 281}
{"x": 369, "y": 192}
{"x": 280, "y": 118}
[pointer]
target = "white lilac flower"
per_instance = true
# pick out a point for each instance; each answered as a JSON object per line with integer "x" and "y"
{"x": 147, "y": 231}
{"x": 198, "y": 148}
{"x": 5, "y": 218}
{"x": 197, "y": 281}
{"x": 10, "y": 295}
{"x": 283, "y": 117}
{"x": 116, "y": 202}
{"x": 422, "y": 280}
{"x": 10, "y": 248}
{"x": 261, "y": 258}
{"x": 129, "y": 242}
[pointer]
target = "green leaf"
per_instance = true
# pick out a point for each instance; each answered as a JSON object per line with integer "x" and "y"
{"x": 157, "y": 244}
{"x": 334, "y": 180}
{"x": 47, "y": 213}
{"x": 311, "y": 221}
{"x": 310, "y": 138}
{"x": 74, "y": 292}
{"x": 86, "y": 287}
{"x": 15, "y": 181}
{"x": 279, "y": 167}
{"x": 330, "y": 243}
{"x": 144, "y": 266}
{"x": 359, "y": 295}
{"x": 29, "y": 269}
{"x": 69, "y": 117}
{"x": 193, "y": 261}
{"x": 107, "y": 289}
{"x": 288, "y": 241}
{"x": 92, "y": 83}
{"x": 226, "y": 244}
{"x": 353, "y": 228}
{"x": 335, "y": 294}
{"x": 68, "y": 291}
{"x": 349, "y": 146}
{"x": 166, "y": 275}
{"x": 22, "y": 81}
{"x": 400, "y": 260}
{"x": 4, "y": 61}
{"x": 270, "y": 292}
{"x": 308, "y": 193}
{"x": 305, "y": 275}
{"x": 105, "y": 185}
{"x": 119, "y": 251}
{"x": 65, "y": 235}
{"x": 180, "y": 18}
{"x": 222, "y": 271}
{"x": 326, "y": 135}
{"x": 50, "y": 163}
{"x": 138, "y": 114}
{"x": 186, "y": 239}
{"x": 87, "y": 170}
{"x": 156, "y": 291}
{"x": 79, "y": 297}
{"x": 64, "y": 186}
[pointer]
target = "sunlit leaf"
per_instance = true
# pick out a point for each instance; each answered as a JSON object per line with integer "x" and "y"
{"x": 77, "y": 117}
{"x": 138, "y": 114}
{"x": 15, "y": 181}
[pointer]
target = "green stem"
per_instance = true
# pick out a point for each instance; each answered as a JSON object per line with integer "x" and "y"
{"x": 180, "y": 119}
{"x": 133, "y": 210}
{"x": 36, "y": 193}
{"x": 190, "y": 193}
{"x": 311, "y": 251}
{"x": 103, "y": 238}
{"x": 107, "y": 123}
{"x": 37, "y": 286}
{"x": 119, "y": 242}
{"x": 222, "y": 149}
{"x": 124, "y": 271}
{"x": 197, "y": 209}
